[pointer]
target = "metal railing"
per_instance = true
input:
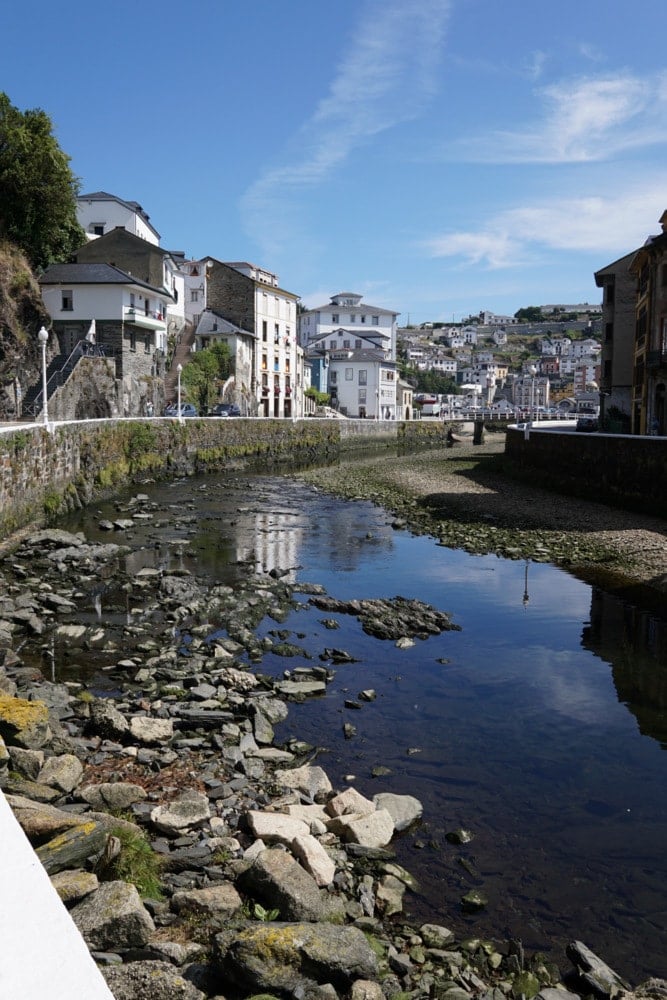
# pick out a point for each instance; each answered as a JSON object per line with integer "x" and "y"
{"x": 84, "y": 349}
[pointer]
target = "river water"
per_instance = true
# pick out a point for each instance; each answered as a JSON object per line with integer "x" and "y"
{"x": 540, "y": 726}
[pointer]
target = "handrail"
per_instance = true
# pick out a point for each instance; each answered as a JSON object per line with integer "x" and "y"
{"x": 83, "y": 349}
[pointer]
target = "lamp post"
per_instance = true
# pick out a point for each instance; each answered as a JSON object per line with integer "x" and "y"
{"x": 43, "y": 337}
{"x": 532, "y": 372}
{"x": 179, "y": 369}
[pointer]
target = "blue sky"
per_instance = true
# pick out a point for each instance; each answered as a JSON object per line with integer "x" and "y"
{"x": 436, "y": 156}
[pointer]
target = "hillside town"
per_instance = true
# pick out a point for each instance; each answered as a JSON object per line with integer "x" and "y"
{"x": 128, "y": 316}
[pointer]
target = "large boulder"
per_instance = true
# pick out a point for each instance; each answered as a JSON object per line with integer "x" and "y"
{"x": 191, "y": 809}
{"x": 24, "y": 723}
{"x": 150, "y": 981}
{"x": 278, "y": 881}
{"x": 295, "y": 960}
{"x": 403, "y": 809}
{"x": 113, "y": 918}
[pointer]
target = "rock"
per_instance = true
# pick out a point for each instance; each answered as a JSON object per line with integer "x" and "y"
{"x": 216, "y": 901}
{"x": 113, "y": 917}
{"x": 279, "y": 882}
{"x": 39, "y": 821}
{"x": 310, "y": 780}
{"x": 24, "y": 723}
{"x": 403, "y": 809}
{"x": 373, "y": 830}
{"x": 366, "y": 989}
{"x": 74, "y": 885}
{"x": 189, "y": 810}
{"x": 152, "y": 980}
{"x": 436, "y": 936}
{"x": 146, "y": 729}
{"x": 473, "y": 901}
{"x": 348, "y": 802}
{"x": 276, "y": 828}
{"x": 75, "y": 846}
{"x": 106, "y": 721}
{"x": 389, "y": 895}
{"x": 28, "y": 763}
{"x": 595, "y": 973}
{"x": 295, "y": 959}
{"x": 459, "y": 836}
{"x": 114, "y": 796}
{"x": 63, "y": 772}
{"x": 314, "y": 859}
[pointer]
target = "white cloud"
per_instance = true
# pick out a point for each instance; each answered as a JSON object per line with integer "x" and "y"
{"x": 385, "y": 77}
{"x": 584, "y": 119}
{"x": 610, "y": 224}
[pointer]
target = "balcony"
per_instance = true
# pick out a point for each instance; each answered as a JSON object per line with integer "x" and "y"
{"x": 150, "y": 320}
{"x": 656, "y": 359}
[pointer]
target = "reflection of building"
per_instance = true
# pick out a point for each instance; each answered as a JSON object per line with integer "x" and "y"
{"x": 634, "y": 642}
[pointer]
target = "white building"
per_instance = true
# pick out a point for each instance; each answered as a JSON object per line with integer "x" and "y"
{"x": 251, "y": 300}
{"x": 363, "y": 383}
{"x": 99, "y": 212}
{"x": 352, "y": 319}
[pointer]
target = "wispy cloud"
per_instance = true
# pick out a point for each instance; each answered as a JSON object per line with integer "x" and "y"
{"x": 385, "y": 78}
{"x": 595, "y": 224}
{"x": 583, "y": 119}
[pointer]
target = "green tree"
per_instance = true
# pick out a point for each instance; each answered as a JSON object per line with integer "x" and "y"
{"x": 37, "y": 188}
{"x": 205, "y": 374}
{"x": 529, "y": 314}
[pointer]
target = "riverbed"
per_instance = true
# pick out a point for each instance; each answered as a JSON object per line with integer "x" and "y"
{"x": 539, "y": 726}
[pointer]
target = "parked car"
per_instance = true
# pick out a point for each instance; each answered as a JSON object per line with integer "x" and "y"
{"x": 587, "y": 422}
{"x": 187, "y": 410}
{"x": 225, "y": 410}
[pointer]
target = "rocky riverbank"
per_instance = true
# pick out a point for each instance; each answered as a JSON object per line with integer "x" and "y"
{"x": 464, "y": 497}
{"x": 197, "y": 856}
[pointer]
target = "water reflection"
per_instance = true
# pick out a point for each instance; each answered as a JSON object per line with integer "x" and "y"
{"x": 634, "y": 642}
{"x": 516, "y": 727}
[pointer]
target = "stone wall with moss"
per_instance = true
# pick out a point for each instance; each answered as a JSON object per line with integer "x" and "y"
{"x": 621, "y": 470}
{"x": 44, "y": 474}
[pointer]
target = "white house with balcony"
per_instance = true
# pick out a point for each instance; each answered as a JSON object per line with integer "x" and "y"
{"x": 99, "y": 212}
{"x": 118, "y": 315}
{"x": 353, "y": 320}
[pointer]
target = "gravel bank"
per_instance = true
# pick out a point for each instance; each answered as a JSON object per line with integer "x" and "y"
{"x": 462, "y": 496}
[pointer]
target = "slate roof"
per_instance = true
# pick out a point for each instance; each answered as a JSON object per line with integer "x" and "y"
{"x": 92, "y": 274}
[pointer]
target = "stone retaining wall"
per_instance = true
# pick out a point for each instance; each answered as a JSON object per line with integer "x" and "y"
{"x": 43, "y": 474}
{"x": 623, "y": 470}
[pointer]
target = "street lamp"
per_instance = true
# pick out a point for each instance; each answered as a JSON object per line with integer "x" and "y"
{"x": 532, "y": 371}
{"x": 179, "y": 369}
{"x": 43, "y": 337}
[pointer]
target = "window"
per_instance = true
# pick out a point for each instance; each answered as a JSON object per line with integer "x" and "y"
{"x": 363, "y": 376}
{"x": 389, "y": 376}
{"x": 97, "y": 228}
{"x": 132, "y": 300}
{"x": 352, "y": 317}
{"x": 334, "y": 318}
{"x": 276, "y": 333}
{"x": 349, "y": 374}
{"x": 363, "y": 317}
{"x": 333, "y": 344}
{"x": 265, "y": 330}
{"x": 194, "y": 295}
{"x": 333, "y": 378}
{"x": 357, "y": 344}
{"x": 362, "y": 396}
{"x": 376, "y": 320}
{"x": 147, "y": 344}
{"x": 346, "y": 343}
{"x": 133, "y": 339}
{"x": 67, "y": 303}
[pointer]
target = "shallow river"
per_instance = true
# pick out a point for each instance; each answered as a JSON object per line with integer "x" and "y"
{"x": 540, "y": 726}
